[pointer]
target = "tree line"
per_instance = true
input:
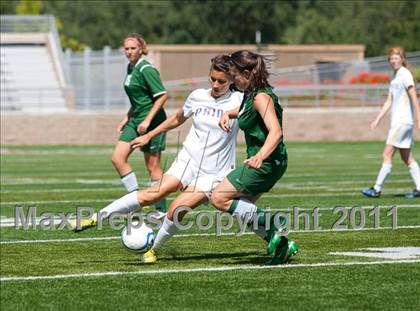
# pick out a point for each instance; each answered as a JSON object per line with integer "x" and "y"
{"x": 376, "y": 24}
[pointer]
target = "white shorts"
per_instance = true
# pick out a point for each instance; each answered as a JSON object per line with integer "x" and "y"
{"x": 400, "y": 136}
{"x": 189, "y": 174}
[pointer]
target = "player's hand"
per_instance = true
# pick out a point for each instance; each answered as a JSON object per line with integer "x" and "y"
{"x": 224, "y": 122}
{"x": 374, "y": 124}
{"x": 142, "y": 128}
{"x": 254, "y": 161}
{"x": 140, "y": 141}
{"x": 121, "y": 125}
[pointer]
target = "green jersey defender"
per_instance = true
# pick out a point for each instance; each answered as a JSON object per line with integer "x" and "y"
{"x": 253, "y": 181}
{"x": 143, "y": 86}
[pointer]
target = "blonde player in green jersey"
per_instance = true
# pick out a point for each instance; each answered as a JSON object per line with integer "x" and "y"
{"x": 147, "y": 96}
{"x": 260, "y": 117}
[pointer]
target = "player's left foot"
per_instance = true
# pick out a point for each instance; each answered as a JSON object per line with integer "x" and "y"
{"x": 274, "y": 234}
{"x": 148, "y": 257}
{"x": 414, "y": 194}
{"x": 284, "y": 252}
{"x": 371, "y": 193}
{"x": 84, "y": 224}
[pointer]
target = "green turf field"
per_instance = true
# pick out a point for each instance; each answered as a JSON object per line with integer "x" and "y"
{"x": 197, "y": 270}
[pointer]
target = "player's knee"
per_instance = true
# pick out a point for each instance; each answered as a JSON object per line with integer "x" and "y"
{"x": 387, "y": 157}
{"x": 117, "y": 161}
{"x": 217, "y": 200}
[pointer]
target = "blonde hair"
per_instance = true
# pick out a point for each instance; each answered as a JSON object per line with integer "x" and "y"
{"x": 397, "y": 50}
{"x": 140, "y": 40}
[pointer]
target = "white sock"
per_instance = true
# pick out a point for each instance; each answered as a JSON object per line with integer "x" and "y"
{"x": 383, "y": 174}
{"x": 130, "y": 182}
{"x": 415, "y": 173}
{"x": 124, "y": 205}
{"x": 167, "y": 230}
{"x": 245, "y": 210}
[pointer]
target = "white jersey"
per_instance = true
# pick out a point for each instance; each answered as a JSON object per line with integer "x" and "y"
{"x": 401, "y": 108}
{"x": 210, "y": 148}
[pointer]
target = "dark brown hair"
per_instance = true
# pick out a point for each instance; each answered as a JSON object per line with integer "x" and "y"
{"x": 255, "y": 64}
{"x": 141, "y": 41}
{"x": 221, "y": 63}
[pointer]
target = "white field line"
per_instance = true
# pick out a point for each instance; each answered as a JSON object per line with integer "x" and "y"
{"x": 10, "y": 180}
{"x": 199, "y": 235}
{"x": 325, "y": 186}
{"x": 290, "y": 195}
{"x": 206, "y": 269}
{"x": 63, "y": 190}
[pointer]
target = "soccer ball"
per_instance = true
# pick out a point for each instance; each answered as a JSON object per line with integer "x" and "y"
{"x": 138, "y": 239}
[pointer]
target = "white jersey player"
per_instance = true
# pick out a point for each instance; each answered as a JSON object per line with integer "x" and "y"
{"x": 403, "y": 102}
{"x": 207, "y": 156}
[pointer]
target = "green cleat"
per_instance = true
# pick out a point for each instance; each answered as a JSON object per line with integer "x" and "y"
{"x": 274, "y": 234}
{"x": 285, "y": 250}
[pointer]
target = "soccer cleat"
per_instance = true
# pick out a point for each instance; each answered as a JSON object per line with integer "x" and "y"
{"x": 371, "y": 193}
{"x": 414, "y": 194}
{"x": 285, "y": 250}
{"x": 274, "y": 234}
{"x": 84, "y": 224}
{"x": 148, "y": 257}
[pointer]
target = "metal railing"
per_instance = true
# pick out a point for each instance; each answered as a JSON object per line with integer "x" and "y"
{"x": 25, "y": 23}
{"x": 96, "y": 77}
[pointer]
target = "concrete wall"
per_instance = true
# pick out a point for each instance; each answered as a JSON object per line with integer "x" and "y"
{"x": 326, "y": 124}
{"x": 187, "y": 61}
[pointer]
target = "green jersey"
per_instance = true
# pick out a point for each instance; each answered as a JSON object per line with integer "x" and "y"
{"x": 143, "y": 86}
{"x": 251, "y": 122}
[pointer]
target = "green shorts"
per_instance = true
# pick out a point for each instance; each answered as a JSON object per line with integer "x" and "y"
{"x": 253, "y": 181}
{"x": 156, "y": 144}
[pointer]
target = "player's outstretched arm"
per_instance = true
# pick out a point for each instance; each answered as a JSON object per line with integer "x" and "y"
{"x": 170, "y": 123}
{"x": 383, "y": 112}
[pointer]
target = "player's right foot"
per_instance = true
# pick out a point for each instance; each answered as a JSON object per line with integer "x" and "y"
{"x": 274, "y": 234}
{"x": 284, "y": 252}
{"x": 414, "y": 194}
{"x": 371, "y": 193}
{"x": 148, "y": 257}
{"x": 84, "y": 224}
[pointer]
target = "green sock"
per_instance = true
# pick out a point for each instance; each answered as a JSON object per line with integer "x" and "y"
{"x": 161, "y": 205}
